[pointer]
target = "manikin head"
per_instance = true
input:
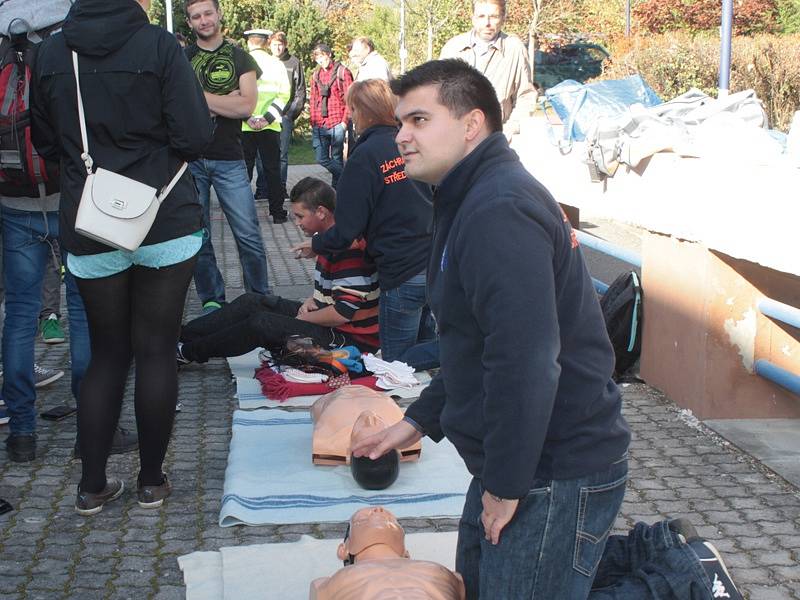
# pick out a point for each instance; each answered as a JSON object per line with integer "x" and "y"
{"x": 488, "y": 17}
{"x": 204, "y": 18}
{"x": 372, "y": 532}
{"x": 370, "y": 474}
{"x": 313, "y": 202}
{"x": 446, "y": 108}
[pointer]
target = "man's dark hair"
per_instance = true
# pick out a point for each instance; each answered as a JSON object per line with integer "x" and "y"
{"x": 313, "y": 193}
{"x": 376, "y": 474}
{"x": 462, "y": 88}
{"x": 189, "y": 3}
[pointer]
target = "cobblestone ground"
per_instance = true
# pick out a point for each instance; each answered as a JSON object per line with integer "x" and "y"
{"x": 678, "y": 468}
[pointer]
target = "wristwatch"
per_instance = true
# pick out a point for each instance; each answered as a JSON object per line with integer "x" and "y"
{"x": 496, "y": 498}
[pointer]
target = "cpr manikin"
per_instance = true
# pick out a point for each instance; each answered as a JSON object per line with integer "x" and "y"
{"x": 378, "y": 566}
{"x": 350, "y": 414}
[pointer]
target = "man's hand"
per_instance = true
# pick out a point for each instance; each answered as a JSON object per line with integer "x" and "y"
{"x": 398, "y": 436}
{"x": 496, "y": 515}
{"x": 257, "y": 123}
{"x": 304, "y": 250}
{"x": 307, "y": 306}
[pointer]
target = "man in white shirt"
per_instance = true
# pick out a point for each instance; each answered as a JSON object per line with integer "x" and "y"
{"x": 371, "y": 65}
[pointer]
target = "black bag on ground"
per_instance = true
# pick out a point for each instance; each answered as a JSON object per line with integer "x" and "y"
{"x": 622, "y": 311}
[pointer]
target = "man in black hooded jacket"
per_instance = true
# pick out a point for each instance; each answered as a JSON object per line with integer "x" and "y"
{"x": 525, "y": 391}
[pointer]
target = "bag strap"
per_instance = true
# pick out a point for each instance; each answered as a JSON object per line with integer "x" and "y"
{"x": 87, "y": 159}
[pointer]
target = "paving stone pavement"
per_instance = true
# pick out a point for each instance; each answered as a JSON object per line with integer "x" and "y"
{"x": 678, "y": 467}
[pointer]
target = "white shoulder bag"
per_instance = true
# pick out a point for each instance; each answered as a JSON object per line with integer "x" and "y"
{"x": 115, "y": 210}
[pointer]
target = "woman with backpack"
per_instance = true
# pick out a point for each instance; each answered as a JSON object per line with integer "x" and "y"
{"x": 145, "y": 115}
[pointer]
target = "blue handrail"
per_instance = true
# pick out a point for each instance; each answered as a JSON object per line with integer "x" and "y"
{"x": 780, "y": 312}
{"x": 778, "y": 375}
{"x": 595, "y": 243}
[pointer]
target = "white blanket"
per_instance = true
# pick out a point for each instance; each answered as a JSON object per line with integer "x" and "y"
{"x": 286, "y": 570}
{"x": 270, "y": 478}
{"x": 248, "y": 389}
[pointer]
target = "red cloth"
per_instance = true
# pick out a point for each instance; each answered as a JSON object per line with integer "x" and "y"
{"x": 275, "y": 386}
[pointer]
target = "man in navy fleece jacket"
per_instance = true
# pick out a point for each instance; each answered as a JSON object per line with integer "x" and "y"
{"x": 525, "y": 391}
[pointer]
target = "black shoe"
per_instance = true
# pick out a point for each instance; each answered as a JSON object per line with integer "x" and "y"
{"x": 280, "y": 219}
{"x": 684, "y": 529}
{"x": 123, "y": 442}
{"x": 21, "y": 448}
{"x": 261, "y": 196}
{"x": 153, "y": 496}
{"x": 722, "y": 585}
{"x": 87, "y": 503}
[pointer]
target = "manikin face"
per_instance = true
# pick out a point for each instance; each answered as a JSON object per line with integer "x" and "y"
{"x": 204, "y": 19}
{"x": 371, "y": 526}
{"x": 431, "y": 140}
{"x": 323, "y": 59}
{"x": 367, "y": 424}
{"x": 308, "y": 220}
{"x": 487, "y": 21}
{"x": 277, "y": 47}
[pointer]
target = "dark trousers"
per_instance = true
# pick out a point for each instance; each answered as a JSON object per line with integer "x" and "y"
{"x": 267, "y": 145}
{"x": 252, "y": 321}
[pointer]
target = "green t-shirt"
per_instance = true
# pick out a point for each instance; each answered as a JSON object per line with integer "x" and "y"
{"x": 219, "y": 71}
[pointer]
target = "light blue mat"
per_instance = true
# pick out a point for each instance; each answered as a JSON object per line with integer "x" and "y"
{"x": 270, "y": 478}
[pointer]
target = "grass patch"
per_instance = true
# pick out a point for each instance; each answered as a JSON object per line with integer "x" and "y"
{"x": 301, "y": 152}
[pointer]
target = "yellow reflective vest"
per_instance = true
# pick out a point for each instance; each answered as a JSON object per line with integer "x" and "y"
{"x": 273, "y": 90}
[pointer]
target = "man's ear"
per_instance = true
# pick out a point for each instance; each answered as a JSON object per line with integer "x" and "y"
{"x": 341, "y": 552}
{"x": 474, "y": 121}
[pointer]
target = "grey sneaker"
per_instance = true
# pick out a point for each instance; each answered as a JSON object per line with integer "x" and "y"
{"x": 87, "y": 503}
{"x": 43, "y": 376}
{"x": 152, "y": 496}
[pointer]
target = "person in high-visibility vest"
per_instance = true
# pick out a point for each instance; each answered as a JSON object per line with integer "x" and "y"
{"x": 262, "y": 131}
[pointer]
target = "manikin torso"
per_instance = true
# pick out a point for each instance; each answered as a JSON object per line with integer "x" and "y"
{"x": 349, "y": 413}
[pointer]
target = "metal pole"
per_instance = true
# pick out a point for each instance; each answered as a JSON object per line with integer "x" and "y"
{"x": 403, "y": 52}
{"x": 725, "y": 32}
{"x": 628, "y": 18}
{"x": 168, "y": 7}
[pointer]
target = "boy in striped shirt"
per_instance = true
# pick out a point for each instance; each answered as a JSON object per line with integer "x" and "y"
{"x": 343, "y": 310}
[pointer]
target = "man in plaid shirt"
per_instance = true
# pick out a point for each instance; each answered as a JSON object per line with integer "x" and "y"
{"x": 329, "y": 115}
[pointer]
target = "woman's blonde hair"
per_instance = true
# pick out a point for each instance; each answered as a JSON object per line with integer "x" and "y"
{"x": 374, "y": 102}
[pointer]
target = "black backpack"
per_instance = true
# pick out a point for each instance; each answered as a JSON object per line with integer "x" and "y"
{"x": 622, "y": 311}
{"x": 23, "y": 173}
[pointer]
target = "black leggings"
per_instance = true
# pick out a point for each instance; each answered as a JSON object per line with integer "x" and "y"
{"x": 252, "y": 321}
{"x": 135, "y": 314}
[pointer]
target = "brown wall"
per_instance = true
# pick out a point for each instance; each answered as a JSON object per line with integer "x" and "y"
{"x": 702, "y": 331}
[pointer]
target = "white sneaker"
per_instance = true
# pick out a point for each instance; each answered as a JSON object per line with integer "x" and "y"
{"x": 43, "y": 376}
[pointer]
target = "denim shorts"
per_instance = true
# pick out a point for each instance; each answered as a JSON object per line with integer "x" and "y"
{"x": 154, "y": 256}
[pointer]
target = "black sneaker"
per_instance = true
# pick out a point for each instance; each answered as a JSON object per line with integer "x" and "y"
{"x": 123, "y": 442}
{"x": 684, "y": 528}
{"x": 153, "y": 496}
{"x": 179, "y": 357}
{"x": 280, "y": 219}
{"x": 87, "y": 503}
{"x": 21, "y": 448}
{"x": 722, "y": 585}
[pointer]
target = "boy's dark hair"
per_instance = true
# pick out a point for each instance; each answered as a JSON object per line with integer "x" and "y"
{"x": 189, "y": 3}
{"x": 313, "y": 193}
{"x": 462, "y": 88}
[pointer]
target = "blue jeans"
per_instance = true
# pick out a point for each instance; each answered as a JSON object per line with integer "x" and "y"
{"x": 27, "y": 239}
{"x": 80, "y": 351}
{"x": 650, "y": 562}
{"x": 400, "y": 316}
{"x": 328, "y": 147}
{"x": 552, "y": 546}
{"x": 229, "y": 178}
{"x": 287, "y": 125}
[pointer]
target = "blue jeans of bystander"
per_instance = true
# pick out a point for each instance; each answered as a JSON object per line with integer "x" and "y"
{"x": 328, "y": 147}
{"x": 400, "y": 316}
{"x": 229, "y": 178}
{"x": 27, "y": 239}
